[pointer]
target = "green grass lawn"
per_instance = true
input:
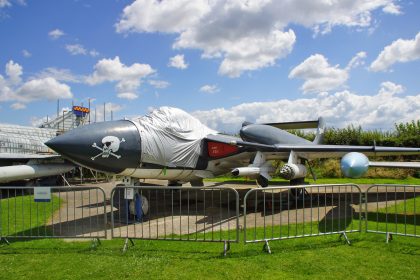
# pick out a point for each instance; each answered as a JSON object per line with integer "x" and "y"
{"x": 369, "y": 257}
{"x": 403, "y": 217}
{"x": 22, "y": 215}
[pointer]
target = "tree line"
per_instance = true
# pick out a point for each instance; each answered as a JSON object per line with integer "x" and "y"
{"x": 403, "y": 135}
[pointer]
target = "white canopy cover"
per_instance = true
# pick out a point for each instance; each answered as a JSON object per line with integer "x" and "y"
{"x": 171, "y": 137}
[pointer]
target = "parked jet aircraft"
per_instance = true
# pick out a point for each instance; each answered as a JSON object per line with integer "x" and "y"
{"x": 170, "y": 144}
{"x": 24, "y": 157}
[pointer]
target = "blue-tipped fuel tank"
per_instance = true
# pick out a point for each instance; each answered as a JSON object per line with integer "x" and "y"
{"x": 354, "y": 165}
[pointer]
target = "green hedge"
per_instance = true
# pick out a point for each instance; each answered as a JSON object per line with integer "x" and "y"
{"x": 404, "y": 134}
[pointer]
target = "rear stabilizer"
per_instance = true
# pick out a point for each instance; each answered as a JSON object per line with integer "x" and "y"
{"x": 319, "y": 138}
{"x": 295, "y": 125}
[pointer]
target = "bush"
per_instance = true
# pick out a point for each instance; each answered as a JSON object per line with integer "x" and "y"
{"x": 330, "y": 168}
{"x": 393, "y": 173}
{"x": 404, "y": 135}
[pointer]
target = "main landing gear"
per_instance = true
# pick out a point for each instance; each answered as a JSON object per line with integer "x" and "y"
{"x": 131, "y": 203}
{"x": 296, "y": 193}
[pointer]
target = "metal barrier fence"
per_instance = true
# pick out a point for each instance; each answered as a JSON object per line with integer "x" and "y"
{"x": 52, "y": 212}
{"x": 278, "y": 213}
{"x": 209, "y": 214}
{"x": 393, "y": 210}
{"x": 176, "y": 213}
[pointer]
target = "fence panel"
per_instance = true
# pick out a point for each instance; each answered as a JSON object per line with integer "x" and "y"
{"x": 278, "y": 213}
{"x": 175, "y": 213}
{"x": 393, "y": 210}
{"x": 55, "y": 212}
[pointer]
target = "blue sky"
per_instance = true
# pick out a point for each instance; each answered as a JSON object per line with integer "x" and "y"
{"x": 223, "y": 61}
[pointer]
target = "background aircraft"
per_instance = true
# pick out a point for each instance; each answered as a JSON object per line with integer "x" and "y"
{"x": 24, "y": 158}
{"x": 170, "y": 144}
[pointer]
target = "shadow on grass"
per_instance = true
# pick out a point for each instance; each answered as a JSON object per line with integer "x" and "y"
{"x": 394, "y": 218}
{"x": 335, "y": 221}
{"x": 84, "y": 228}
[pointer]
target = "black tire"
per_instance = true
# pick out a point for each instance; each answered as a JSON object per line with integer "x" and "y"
{"x": 127, "y": 209}
{"x": 174, "y": 184}
{"x": 262, "y": 181}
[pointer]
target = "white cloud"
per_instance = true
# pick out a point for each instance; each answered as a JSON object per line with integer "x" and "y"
{"x": 392, "y": 8}
{"x": 55, "y": 34}
{"x": 128, "y": 78}
{"x": 340, "y": 109}
{"x": 14, "y": 72}
{"x": 128, "y": 95}
{"x": 26, "y": 53}
{"x": 41, "y": 89}
{"x": 246, "y": 35}
{"x": 318, "y": 74}
{"x": 165, "y": 16}
{"x": 357, "y": 60}
{"x": 12, "y": 88}
{"x": 389, "y": 88}
{"x": 209, "y": 89}
{"x": 398, "y": 51}
{"x": 6, "y": 92}
{"x": 5, "y": 3}
{"x": 159, "y": 84}
{"x": 97, "y": 112}
{"x": 18, "y": 106}
{"x": 76, "y": 49}
{"x": 38, "y": 121}
{"x": 252, "y": 53}
{"x": 113, "y": 70}
{"x": 63, "y": 75}
{"x": 93, "y": 53}
{"x": 178, "y": 62}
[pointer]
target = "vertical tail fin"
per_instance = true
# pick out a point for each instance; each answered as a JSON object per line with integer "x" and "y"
{"x": 319, "y": 138}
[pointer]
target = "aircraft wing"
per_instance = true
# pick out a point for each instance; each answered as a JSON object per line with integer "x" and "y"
{"x": 394, "y": 164}
{"x": 317, "y": 151}
{"x": 27, "y": 156}
{"x": 29, "y": 167}
{"x": 30, "y": 171}
{"x": 295, "y": 125}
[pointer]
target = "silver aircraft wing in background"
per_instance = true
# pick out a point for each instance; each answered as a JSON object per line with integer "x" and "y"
{"x": 322, "y": 151}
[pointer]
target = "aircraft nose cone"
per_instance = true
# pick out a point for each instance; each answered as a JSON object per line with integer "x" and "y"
{"x": 107, "y": 146}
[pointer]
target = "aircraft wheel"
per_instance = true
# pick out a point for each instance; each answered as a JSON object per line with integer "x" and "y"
{"x": 297, "y": 192}
{"x": 174, "y": 184}
{"x": 262, "y": 181}
{"x": 130, "y": 209}
{"x": 139, "y": 201}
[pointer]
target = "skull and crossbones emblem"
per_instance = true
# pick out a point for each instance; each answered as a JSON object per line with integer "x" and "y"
{"x": 111, "y": 145}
